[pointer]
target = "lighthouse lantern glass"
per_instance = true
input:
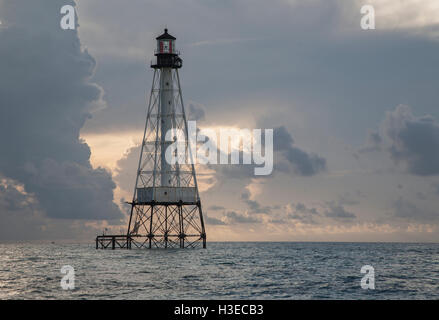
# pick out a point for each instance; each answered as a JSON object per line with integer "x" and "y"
{"x": 166, "y": 46}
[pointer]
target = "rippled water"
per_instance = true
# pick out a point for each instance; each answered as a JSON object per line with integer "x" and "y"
{"x": 222, "y": 271}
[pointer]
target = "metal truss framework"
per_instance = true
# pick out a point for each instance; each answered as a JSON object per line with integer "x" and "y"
{"x": 165, "y": 224}
{"x": 165, "y": 208}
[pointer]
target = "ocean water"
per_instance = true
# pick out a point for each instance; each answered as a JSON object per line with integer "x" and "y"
{"x": 282, "y": 270}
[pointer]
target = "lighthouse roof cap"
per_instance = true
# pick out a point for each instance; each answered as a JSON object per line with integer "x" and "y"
{"x": 165, "y": 36}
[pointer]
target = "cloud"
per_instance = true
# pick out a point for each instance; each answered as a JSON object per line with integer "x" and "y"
{"x": 72, "y": 191}
{"x": 253, "y": 205}
{"x": 315, "y": 76}
{"x": 300, "y": 212}
{"x": 303, "y": 163}
{"x": 300, "y": 207}
{"x": 405, "y": 14}
{"x": 233, "y": 217}
{"x": 126, "y": 167}
{"x": 212, "y": 220}
{"x": 338, "y": 212}
{"x": 243, "y": 172}
{"x": 406, "y": 209}
{"x": 412, "y": 142}
{"x": 216, "y": 208}
{"x": 421, "y": 196}
{"x": 22, "y": 218}
{"x": 348, "y": 199}
{"x": 221, "y": 41}
{"x": 317, "y": 95}
{"x": 14, "y": 198}
{"x": 196, "y": 112}
{"x": 373, "y": 143}
{"x": 46, "y": 96}
{"x": 19, "y": 214}
{"x": 230, "y": 218}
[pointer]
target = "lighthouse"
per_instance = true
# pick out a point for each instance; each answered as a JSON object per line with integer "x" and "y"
{"x": 166, "y": 209}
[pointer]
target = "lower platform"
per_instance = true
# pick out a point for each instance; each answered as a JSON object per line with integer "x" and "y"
{"x": 113, "y": 242}
{"x": 148, "y": 242}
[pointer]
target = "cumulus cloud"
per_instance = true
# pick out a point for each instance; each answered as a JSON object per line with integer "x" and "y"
{"x": 414, "y": 141}
{"x": 302, "y": 162}
{"x": 46, "y": 95}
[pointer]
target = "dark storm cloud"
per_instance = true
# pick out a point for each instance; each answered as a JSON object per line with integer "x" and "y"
{"x": 303, "y": 163}
{"x": 12, "y": 199}
{"x": 414, "y": 141}
{"x": 22, "y": 218}
{"x": 45, "y": 98}
{"x": 19, "y": 215}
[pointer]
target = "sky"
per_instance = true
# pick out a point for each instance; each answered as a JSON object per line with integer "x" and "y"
{"x": 355, "y": 115}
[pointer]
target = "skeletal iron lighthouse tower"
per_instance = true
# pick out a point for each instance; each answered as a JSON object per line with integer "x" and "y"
{"x": 166, "y": 208}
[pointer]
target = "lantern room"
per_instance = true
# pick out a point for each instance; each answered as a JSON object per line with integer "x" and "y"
{"x": 167, "y": 55}
{"x": 166, "y": 43}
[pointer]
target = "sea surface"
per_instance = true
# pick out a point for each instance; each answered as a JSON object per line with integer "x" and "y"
{"x": 247, "y": 270}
